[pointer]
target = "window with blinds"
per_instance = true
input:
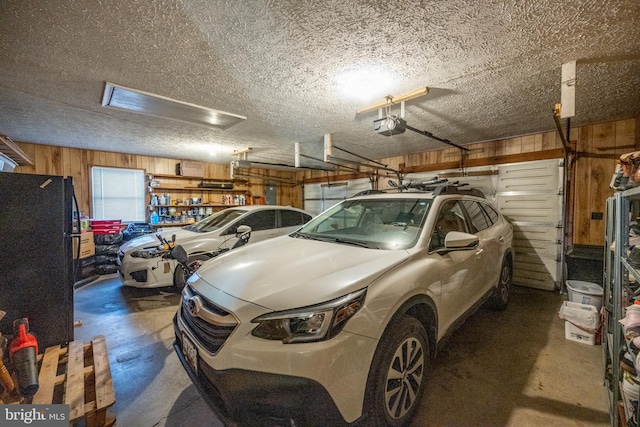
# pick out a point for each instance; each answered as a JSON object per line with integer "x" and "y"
{"x": 118, "y": 194}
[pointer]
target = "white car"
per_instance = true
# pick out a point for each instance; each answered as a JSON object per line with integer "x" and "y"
{"x": 142, "y": 268}
{"x": 337, "y": 323}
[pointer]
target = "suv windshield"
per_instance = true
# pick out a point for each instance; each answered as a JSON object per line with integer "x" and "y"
{"x": 374, "y": 223}
{"x": 216, "y": 221}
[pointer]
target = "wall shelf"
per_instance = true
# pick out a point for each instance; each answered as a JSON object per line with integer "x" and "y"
{"x": 181, "y": 189}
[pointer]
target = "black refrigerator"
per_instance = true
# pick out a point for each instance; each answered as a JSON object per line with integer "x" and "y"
{"x": 36, "y": 263}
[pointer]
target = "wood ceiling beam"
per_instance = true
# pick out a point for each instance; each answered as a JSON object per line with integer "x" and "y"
{"x": 14, "y": 152}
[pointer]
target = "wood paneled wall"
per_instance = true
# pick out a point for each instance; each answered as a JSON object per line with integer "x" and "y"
{"x": 50, "y": 160}
{"x": 597, "y": 147}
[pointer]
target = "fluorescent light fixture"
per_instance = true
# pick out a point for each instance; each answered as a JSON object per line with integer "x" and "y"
{"x": 124, "y": 98}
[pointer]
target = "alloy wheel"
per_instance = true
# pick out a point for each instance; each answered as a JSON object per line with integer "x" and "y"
{"x": 404, "y": 378}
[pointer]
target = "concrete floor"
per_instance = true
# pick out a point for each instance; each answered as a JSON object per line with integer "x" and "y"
{"x": 513, "y": 368}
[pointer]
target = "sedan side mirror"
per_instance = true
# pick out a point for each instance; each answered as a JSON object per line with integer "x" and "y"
{"x": 242, "y": 229}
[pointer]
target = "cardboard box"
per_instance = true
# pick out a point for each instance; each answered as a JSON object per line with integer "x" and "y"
{"x": 190, "y": 169}
{"x": 87, "y": 246}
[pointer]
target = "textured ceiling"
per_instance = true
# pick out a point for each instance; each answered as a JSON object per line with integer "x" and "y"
{"x": 492, "y": 66}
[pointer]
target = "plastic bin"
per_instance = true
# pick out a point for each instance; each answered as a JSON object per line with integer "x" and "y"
{"x": 585, "y": 293}
{"x": 583, "y": 315}
{"x": 573, "y": 333}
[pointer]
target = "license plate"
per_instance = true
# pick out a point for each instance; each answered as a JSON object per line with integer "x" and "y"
{"x": 190, "y": 353}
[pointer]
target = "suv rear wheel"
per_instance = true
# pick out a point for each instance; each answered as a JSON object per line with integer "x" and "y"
{"x": 500, "y": 298}
{"x": 398, "y": 373}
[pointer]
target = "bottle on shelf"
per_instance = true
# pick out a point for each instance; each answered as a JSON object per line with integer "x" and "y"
{"x": 154, "y": 200}
{"x": 162, "y": 200}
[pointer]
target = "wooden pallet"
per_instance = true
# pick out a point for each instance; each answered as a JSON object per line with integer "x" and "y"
{"x": 79, "y": 376}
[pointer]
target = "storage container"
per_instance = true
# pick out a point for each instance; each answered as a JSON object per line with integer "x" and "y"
{"x": 106, "y": 226}
{"x": 585, "y": 293}
{"x": 573, "y": 333}
{"x": 583, "y": 315}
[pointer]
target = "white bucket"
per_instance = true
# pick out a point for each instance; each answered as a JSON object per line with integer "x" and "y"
{"x": 585, "y": 293}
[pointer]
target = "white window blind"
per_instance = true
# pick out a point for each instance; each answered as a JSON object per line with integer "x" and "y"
{"x": 118, "y": 194}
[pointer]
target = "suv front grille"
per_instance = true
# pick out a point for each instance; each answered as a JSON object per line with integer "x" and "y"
{"x": 209, "y": 335}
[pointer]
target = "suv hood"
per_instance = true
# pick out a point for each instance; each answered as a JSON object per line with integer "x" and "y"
{"x": 149, "y": 240}
{"x": 286, "y": 272}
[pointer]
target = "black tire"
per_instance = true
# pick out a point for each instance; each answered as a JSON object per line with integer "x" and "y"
{"x": 180, "y": 275}
{"x": 499, "y": 300}
{"x": 398, "y": 374}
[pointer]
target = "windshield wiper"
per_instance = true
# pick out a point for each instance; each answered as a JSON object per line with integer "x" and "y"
{"x": 350, "y": 242}
{"x": 298, "y": 234}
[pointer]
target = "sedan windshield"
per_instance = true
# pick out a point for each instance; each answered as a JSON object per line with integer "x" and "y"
{"x": 373, "y": 223}
{"x": 216, "y": 221}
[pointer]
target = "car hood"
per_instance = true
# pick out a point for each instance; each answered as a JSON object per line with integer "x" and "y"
{"x": 148, "y": 240}
{"x": 288, "y": 272}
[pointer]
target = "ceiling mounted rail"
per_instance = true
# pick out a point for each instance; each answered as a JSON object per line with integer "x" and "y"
{"x": 432, "y": 136}
{"x": 336, "y": 168}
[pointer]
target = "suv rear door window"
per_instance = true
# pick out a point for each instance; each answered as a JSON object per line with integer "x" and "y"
{"x": 493, "y": 215}
{"x": 478, "y": 216}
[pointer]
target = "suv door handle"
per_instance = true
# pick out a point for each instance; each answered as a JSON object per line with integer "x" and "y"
{"x": 501, "y": 239}
{"x": 479, "y": 251}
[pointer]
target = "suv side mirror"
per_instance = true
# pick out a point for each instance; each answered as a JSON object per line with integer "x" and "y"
{"x": 456, "y": 241}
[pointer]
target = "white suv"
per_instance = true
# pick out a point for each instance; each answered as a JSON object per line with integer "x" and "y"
{"x": 337, "y": 323}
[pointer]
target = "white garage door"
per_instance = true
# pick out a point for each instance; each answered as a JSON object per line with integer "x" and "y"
{"x": 321, "y": 196}
{"x": 530, "y": 195}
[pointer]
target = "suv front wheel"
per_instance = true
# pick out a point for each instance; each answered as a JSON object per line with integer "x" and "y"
{"x": 398, "y": 373}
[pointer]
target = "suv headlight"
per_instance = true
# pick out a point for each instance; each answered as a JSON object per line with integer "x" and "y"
{"x": 147, "y": 253}
{"x": 307, "y": 324}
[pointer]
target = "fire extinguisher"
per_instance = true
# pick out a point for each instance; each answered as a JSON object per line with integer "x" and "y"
{"x": 23, "y": 350}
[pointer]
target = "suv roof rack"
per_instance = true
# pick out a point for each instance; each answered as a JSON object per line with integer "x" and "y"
{"x": 368, "y": 192}
{"x": 455, "y": 188}
{"x": 439, "y": 186}
{"x": 436, "y": 186}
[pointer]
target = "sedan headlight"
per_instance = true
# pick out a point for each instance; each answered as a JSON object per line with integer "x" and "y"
{"x": 147, "y": 253}
{"x": 307, "y": 324}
